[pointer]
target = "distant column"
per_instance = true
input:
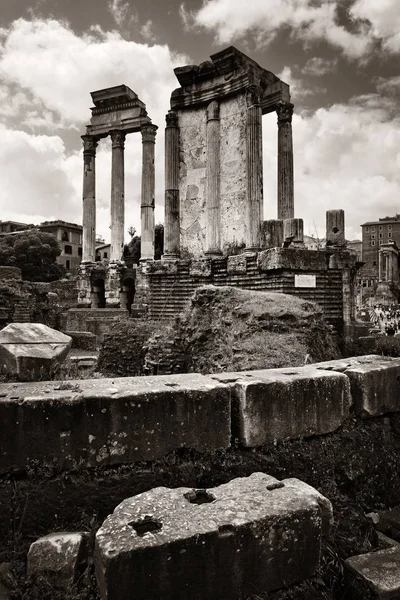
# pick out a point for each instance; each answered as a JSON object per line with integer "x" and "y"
{"x": 148, "y": 192}
{"x": 172, "y": 217}
{"x": 213, "y": 223}
{"x": 285, "y": 162}
{"x": 117, "y": 195}
{"x": 381, "y": 259}
{"x": 254, "y": 204}
{"x": 389, "y": 276}
{"x": 89, "y": 199}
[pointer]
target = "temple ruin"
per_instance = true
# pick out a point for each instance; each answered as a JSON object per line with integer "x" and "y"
{"x": 117, "y": 111}
{"x": 214, "y": 228}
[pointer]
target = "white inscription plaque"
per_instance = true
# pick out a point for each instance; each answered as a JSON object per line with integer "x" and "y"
{"x": 305, "y": 281}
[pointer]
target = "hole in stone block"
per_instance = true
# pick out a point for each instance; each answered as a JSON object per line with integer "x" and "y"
{"x": 146, "y": 525}
{"x": 172, "y": 384}
{"x": 275, "y": 486}
{"x": 226, "y": 530}
{"x": 335, "y": 229}
{"x": 199, "y": 497}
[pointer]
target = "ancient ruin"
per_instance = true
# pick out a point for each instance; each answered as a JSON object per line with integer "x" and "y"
{"x": 213, "y": 155}
{"x": 117, "y": 112}
{"x": 214, "y": 230}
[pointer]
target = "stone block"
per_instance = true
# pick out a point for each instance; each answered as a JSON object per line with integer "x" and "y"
{"x": 97, "y": 422}
{"x": 375, "y": 575}
{"x": 250, "y": 536}
{"x": 201, "y": 268}
{"x": 280, "y": 404}
{"x": 375, "y": 387}
{"x": 162, "y": 267}
{"x": 291, "y": 258}
{"x": 32, "y": 351}
{"x": 59, "y": 557}
{"x": 374, "y": 380}
{"x": 237, "y": 265}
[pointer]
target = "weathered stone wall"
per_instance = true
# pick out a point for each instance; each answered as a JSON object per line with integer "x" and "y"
{"x": 102, "y": 422}
{"x": 28, "y": 302}
{"x": 192, "y": 175}
{"x": 172, "y": 285}
{"x": 66, "y": 290}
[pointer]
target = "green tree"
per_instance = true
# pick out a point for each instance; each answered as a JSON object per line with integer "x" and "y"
{"x": 34, "y": 252}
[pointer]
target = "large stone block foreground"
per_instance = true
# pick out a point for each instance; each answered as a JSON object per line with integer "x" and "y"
{"x": 97, "y": 422}
{"x": 250, "y": 536}
{"x": 279, "y": 404}
{"x": 31, "y": 351}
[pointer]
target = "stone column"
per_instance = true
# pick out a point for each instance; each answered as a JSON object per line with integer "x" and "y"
{"x": 172, "y": 217}
{"x": 293, "y": 233}
{"x": 389, "y": 276}
{"x": 335, "y": 228}
{"x": 381, "y": 264}
{"x": 117, "y": 195}
{"x": 254, "y": 204}
{"x": 148, "y": 199}
{"x": 213, "y": 208}
{"x": 285, "y": 162}
{"x": 89, "y": 199}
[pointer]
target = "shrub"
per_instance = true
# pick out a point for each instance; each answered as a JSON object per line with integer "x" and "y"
{"x": 388, "y": 346}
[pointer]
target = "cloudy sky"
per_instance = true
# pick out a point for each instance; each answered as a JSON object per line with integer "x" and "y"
{"x": 341, "y": 58}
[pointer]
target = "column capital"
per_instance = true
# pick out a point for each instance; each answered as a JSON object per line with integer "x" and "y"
{"x": 171, "y": 119}
{"x": 284, "y": 111}
{"x": 213, "y": 111}
{"x": 117, "y": 138}
{"x": 89, "y": 144}
{"x": 253, "y": 96}
{"x": 148, "y": 132}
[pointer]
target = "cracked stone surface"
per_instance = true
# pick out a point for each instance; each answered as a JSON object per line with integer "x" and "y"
{"x": 249, "y": 536}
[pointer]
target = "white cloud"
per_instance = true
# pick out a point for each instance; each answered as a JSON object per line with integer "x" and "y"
{"x": 47, "y": 73}
{"x": 316, "y": 67}
{"x": 298, "y": 89}
{"x": 384, "y": 17}
{"x": 307, "y": 20}
{"x": 146, "y": 31}
{"x": 123, "y": 13}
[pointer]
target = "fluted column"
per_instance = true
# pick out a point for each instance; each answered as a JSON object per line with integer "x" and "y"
{"x": 89, "y": 199}
{"x": 117, "y": 195}
{"x": 381, "y": 259}
{"x": 254, "y": 204}
{"x": 390, "y": 266}
{"x": 213, "y": 208}
{"x": 172, "y": 217}
{"x": 285, "y": 162}
{"x": 148, "y": 192}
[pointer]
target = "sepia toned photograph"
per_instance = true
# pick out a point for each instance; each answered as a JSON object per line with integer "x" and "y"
{"x": 199, "y": 300}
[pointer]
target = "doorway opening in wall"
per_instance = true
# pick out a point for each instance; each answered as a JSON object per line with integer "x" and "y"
{"x": 98, "y": 294}
{"x": 127, "y": 293}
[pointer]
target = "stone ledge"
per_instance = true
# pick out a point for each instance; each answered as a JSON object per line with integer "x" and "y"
{"x": 279, "y": 404}
{"x": 292, "y": 258}
{"x": 374, "y": 380}
{"x": 98, "y": 422}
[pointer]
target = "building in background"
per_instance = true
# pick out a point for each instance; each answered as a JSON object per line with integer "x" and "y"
{"x": 103, "y": 251}
{"x": 69, "y": 236}
{"x": 13, "y": 227}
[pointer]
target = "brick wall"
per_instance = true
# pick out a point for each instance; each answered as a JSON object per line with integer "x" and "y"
{"x": 169, "y": 291}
